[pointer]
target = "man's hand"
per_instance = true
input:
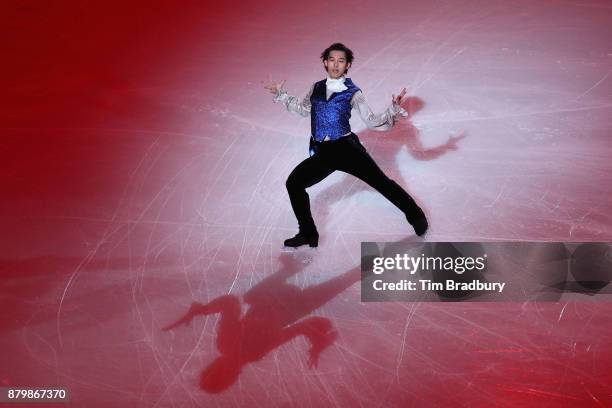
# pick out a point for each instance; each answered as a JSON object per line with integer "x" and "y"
{"x": 275, "y": 87}
{"x": 399, "y": 99}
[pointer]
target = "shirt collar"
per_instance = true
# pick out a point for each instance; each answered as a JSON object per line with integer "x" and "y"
{"x": 331, "y": 80}
{"x": 335, "y": 85}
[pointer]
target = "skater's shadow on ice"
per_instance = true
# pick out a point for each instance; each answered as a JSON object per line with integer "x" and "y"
{"x": 276, "y": 314}
{"x": 408, "y": 135}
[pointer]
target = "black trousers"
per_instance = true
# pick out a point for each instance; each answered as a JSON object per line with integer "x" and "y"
{"x": 346, "y": 154}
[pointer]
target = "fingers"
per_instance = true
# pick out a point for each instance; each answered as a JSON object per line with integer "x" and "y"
{"x": 401, "y": 98}
{"x": 275, "y": 87}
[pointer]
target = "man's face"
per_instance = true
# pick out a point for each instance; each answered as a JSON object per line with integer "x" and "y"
{"x": 336, "y": 64}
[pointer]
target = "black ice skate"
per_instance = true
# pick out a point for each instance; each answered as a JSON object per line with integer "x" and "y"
{"x": 303, "y": 239}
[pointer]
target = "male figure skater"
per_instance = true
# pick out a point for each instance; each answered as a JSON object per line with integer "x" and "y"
{"x": 334, "y": 147}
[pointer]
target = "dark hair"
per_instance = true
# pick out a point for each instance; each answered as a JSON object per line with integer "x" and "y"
{"x": 338, "y": 47}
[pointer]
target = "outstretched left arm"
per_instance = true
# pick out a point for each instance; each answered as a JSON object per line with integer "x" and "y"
{"x": 382, "y": 121}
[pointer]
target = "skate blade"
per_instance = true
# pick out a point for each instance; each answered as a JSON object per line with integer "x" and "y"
{"x": 303, "y": 248}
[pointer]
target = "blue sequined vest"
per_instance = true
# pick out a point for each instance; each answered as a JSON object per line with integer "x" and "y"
{"x": 331, "y": 117}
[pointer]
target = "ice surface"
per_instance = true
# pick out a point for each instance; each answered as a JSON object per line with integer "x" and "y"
{"x": 144, "y": 170}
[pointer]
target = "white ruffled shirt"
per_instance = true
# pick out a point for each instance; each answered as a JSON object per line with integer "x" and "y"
{"x": 379, "y": 122}
{"x": 335, "y": 85}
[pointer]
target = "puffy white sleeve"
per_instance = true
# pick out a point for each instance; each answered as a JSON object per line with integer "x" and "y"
{"x": 381, "y": 121}
{"x": 293, "y": 103}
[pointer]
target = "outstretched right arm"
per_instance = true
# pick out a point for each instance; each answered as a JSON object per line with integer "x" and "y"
{"x": 292, "y": 103}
